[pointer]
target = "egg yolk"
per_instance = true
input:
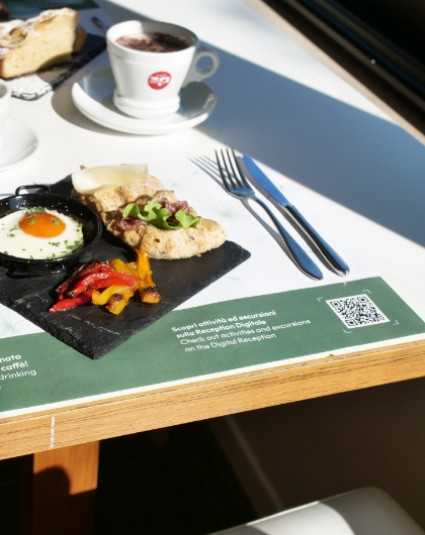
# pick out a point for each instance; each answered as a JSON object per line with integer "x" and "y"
{"x": 42, "y": 225}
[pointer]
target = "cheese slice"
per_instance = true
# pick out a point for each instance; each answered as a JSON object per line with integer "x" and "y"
{"x": 87, "y": 180}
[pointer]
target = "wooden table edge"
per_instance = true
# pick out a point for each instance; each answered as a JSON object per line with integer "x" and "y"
{"x": 201, "y": 399}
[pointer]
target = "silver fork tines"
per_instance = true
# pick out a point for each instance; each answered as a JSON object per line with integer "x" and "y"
{"x": 237, "y": 185}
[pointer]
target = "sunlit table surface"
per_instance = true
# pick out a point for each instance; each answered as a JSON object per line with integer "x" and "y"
{"x": 280, "y": 104}
{"x": 283, "y": 106}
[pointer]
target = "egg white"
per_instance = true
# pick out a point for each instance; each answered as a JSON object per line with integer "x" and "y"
{"x": 16, "y": 242}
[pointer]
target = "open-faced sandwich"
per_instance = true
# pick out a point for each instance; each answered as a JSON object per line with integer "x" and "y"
{"x": 136, "y": 207}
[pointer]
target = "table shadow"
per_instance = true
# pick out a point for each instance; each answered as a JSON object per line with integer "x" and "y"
{"x": 359, "y": 160}
{"x": 364, "y": 162}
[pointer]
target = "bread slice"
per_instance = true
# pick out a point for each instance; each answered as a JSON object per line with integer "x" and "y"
{"x": 110, "y": 200}
{"x": 48, "y": 39}
{"x": 163, "y": 244}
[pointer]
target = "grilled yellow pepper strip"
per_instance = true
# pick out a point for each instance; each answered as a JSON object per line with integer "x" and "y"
{"x": 119, "y": 300}
{"x": 103, "y": 297}
{"x": 126, "y": 267}
{"x": 147, "y": 288}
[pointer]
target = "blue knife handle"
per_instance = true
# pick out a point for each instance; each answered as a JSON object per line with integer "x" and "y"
{"x": 326, "y": 250}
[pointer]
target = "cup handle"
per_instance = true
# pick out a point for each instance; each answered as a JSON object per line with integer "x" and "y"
{"x": 196, "y": 74}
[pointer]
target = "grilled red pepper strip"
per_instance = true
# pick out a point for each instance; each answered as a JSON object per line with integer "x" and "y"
{"x": 89, "y": 280}
{"x": 79, "y": 273}
{"x": 66, "y": 304}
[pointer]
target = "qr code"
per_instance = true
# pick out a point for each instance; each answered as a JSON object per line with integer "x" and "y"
{"x": 357, "y": 311}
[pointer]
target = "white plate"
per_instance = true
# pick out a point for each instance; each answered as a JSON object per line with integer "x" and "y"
{"x": 92, "y": 95}
{"x": 19, "y": 141}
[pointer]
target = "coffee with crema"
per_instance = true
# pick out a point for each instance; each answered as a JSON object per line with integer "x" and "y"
{"x": 157, "y": 42}
{"x": 151, "y": 61}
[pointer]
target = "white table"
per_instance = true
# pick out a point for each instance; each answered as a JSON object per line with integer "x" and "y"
{"x": 281, "y": 105}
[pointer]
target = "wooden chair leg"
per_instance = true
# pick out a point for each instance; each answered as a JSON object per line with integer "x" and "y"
{"x": 58, "y": 490}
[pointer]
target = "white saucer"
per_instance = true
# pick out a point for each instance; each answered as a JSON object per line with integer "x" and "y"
{"x": 19, "y": 141}
{"x": 92, "y": 95}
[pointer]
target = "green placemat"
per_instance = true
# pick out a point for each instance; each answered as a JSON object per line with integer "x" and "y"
{"x": 219, "y": 338}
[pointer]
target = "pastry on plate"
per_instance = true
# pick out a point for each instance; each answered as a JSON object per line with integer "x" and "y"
{"x": 50, "y": 38}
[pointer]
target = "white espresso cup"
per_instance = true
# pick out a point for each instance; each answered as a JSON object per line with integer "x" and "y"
{"x": 5, "y": 94}
{"x": 148, "y": 83}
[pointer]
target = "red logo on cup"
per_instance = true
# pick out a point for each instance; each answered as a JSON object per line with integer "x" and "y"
{"x": 159, "y": 80}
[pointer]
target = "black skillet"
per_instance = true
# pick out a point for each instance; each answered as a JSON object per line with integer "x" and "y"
{"x": 92, "y": 228}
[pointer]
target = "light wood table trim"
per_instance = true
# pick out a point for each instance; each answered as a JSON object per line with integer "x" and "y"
{"x": 209, "y": 398}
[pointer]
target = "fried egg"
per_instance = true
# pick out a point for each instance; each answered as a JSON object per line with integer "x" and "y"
{"x": 39, "y": 234}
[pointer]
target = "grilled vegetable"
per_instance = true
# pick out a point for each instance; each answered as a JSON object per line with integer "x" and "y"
{"x": 110, "y": 283}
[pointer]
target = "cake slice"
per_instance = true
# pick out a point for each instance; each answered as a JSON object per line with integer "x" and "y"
{"x": 27, "y": 46}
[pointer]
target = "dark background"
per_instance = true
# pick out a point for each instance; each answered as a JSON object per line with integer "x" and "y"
{"x": 379, "y": 42}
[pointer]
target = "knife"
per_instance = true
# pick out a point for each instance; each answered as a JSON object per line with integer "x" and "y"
{"x": 272, "y": 193}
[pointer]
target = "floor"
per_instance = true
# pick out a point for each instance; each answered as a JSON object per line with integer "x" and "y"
{"x": 313, "y": 449}
{"x": 173, "y": 481}
{"x": 154, "y": 483}
{"x": 9, "y": 496}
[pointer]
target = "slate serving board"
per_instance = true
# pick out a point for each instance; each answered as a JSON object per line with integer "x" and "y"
{"x": 92, "y": 330}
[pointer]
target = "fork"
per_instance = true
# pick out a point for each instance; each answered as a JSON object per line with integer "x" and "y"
{"x": 237, "y": 185}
